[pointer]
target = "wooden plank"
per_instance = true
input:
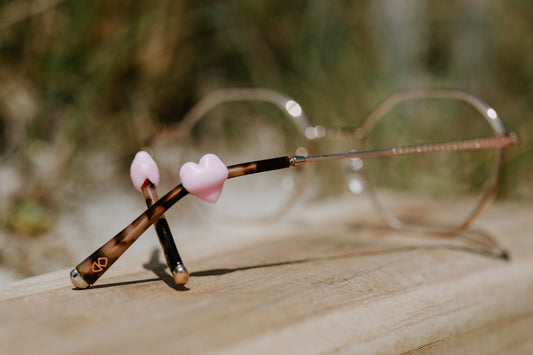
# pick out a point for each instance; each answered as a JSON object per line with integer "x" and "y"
{"x": 331, "y": 285}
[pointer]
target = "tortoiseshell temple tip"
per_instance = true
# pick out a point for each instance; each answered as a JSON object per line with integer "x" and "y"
{"x": 77, "y": 280}
{"x": 180, "y": 274}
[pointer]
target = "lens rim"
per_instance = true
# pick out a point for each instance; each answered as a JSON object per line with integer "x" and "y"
{"x": 478, "y": 104}
{"x": 288, "y": 106}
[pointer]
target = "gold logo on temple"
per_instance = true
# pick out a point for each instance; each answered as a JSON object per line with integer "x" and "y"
{"x": 99, "y": 264}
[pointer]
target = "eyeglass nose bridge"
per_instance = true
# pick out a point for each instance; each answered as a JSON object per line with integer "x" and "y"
{"x": 315, "y": 133}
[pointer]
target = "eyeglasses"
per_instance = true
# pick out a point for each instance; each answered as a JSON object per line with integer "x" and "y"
{"x": 431, "y": 159}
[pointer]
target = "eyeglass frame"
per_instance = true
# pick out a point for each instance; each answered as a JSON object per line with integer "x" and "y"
{"x": 312, "y": 134}
{"x": 85, "y": 274}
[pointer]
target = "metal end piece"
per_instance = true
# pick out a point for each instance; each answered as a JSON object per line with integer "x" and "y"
{"x": 77, "y": 280}
{"x": 181, "y": 275}
{"x": 297, "y": 160}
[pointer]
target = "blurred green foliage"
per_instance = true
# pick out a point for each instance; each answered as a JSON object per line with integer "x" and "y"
{"x": 29, "y": 218}
{"x": 84, "y": 84}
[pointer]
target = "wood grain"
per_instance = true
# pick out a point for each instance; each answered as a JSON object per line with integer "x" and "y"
{"x": 333, "y": 285}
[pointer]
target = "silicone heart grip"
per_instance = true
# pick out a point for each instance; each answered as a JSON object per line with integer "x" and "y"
{"x": 205, "y": 179}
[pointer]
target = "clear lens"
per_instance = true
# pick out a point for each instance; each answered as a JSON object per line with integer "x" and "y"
{"x": 242, "y": 132}
{"x": 430, "y": 189}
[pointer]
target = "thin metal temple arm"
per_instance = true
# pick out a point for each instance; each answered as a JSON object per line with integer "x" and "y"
{"x": 467, "y": 144}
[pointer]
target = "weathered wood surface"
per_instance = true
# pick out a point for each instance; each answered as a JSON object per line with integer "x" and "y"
{"x": 335, "y": 285}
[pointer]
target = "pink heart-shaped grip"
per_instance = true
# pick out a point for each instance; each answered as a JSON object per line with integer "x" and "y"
{"x": 205, "y": 179}
{"x": 143, "y": 168}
